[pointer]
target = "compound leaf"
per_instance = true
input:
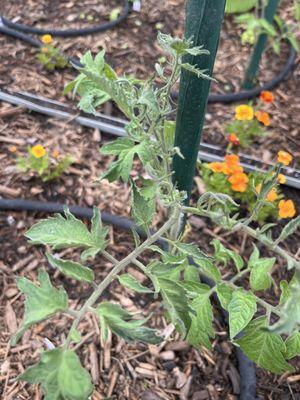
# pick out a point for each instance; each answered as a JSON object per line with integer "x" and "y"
{"x": 292, "y": 346}
{"x": 224, "y": 255}
{"x": 260, "y": 277}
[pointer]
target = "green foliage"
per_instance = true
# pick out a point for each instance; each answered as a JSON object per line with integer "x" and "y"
{"x": 72, "y": 269}
{"x": 246, "y": 131}
{"x": 266, "y": 349}
{"x": 289, "y": 320}
{"x": 46, "y": 167}
{"x": 292, "y": 346}
{"x": 131, "y": 283}
{"x": 143, "y": 206}
{"x": 61, "y": 376}
{"x": 51, "y": 58}
{"x": 113, "y": 317}
{"x": 237, "y": 6}
{"x": 176, "y": 303}
{"x": 59, "y": 232}
{"x": 176, "y": 270}
{"x": 201, "y": 329}
{"x": 218, "y": 183}
{"x": 224, "y": 255}
{"x": 255, "y": 26}
{"x": 241, "y": 309}
{"x": 42, "y": 301}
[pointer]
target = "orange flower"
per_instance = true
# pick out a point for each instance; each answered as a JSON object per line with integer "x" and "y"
{"x": 12, "y": 149}
{"x": 281, "y": 179}
{"x": 232, "y": 138}
{"x": 272, "y": 195}
{"x": 216, "y": 166}
{"x": 55, "y": 154}
{"x": 284, "y": 158}
{"x": 244, "y": 113}
{"x": 286, "y": 209}
{"x": 232, "y": 159}
{"x": 47, "y": 39}
{"x": 266, "y": 97}
{"x": 38, "y": 151}
{"x": 239, "y": 182}
{"x": 263, "y": 117}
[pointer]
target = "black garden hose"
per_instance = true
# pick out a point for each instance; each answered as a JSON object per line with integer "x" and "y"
{"x": 245, "y": 366}
{"x": 69, "y": 32}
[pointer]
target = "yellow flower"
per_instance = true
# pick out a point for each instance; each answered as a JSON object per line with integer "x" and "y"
{"x": 239, "y": 182}
{"x": 47, "y": 39}
{"x": 44, "y": 49}
{"x": 284, "y": 158}
{"x": 281, "y": 179}
{"x": 286, "y": 209}
{"x": 38, "y": 151}
{"x": 244, "y": 113}
{"x": 216, "y": 166}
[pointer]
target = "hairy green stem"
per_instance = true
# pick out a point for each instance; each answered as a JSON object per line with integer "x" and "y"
{"x": 116, "y": 270}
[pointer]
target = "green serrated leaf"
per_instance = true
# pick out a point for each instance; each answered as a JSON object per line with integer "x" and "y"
{"x": 289, "y": 320}
{"x": 142, "y": 209}
{"x": 201, "y": 329}
{"x": 61, "y": 376}
{"x": 59, "y": 232}
{"x": 289, "y": 229}
{"x": 241, "y": 309}
{"x": 209, "y": 269}
{"x": 131, "y": 283}
{"x": 292, "y": 344}
{"x": 125, "y": 149}
{"x": 266, "y": 349}
{"x": 224, "y": 255}
{"x": 176, "y": 302}
{"x": 191, "y": 273}
{"x": 72, "y": 269}
{"x": 119, "y": 321}
{"x": 260, "y": 275}
{"x": 194, "y": 289}
{"x": 224, "y": 293}
{"x": 42, "y": 301}
{"x": 169, "y": 133}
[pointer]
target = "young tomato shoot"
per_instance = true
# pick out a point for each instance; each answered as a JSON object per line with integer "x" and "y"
{"x": 176, "y": 270}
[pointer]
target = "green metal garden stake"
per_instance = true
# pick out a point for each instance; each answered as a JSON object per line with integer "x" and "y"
{"x": 252, "y": 70}
{"x": 203, "y": 23}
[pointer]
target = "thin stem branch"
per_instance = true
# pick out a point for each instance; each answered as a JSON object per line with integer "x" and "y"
{"x": 116, "y": 270}
{"x": 250, "y": 232}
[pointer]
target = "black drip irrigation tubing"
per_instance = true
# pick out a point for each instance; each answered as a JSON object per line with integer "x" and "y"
{"x": 69, "y": 32}
{"x": 245, "y": 366}
{"x": 20, "y": 31}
